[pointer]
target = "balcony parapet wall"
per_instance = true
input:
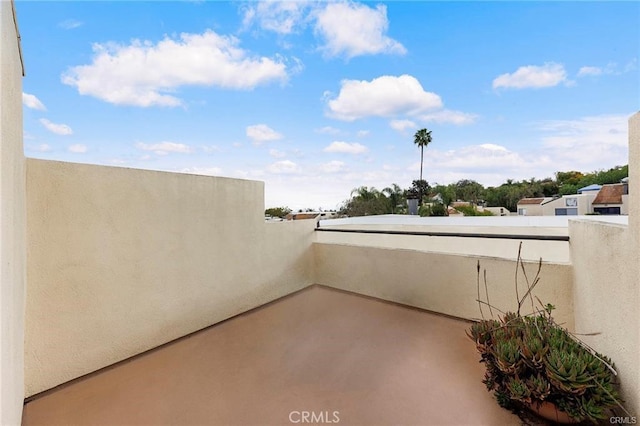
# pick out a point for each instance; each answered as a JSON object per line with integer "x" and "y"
{"x": 123, "y": 260}
{"x": 439, "y": 273}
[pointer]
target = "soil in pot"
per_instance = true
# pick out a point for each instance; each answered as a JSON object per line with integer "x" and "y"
{"x": 549, "y": 411}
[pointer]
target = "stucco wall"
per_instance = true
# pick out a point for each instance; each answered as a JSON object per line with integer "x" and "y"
{"x": 12, "y": 222}
{"x": 583, "y": 200}
{"x": 439, "y": 282}
{"x": 531, "y": 209}
{"x": 634, "y": 177}
{"x": 607, "y": 278}
{"x": 606, "y": 297}
{"x": 123, "y": 260}
{"x": 551, "y": 251}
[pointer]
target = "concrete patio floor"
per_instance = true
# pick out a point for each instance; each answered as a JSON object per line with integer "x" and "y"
{"x": 319, "y": 350}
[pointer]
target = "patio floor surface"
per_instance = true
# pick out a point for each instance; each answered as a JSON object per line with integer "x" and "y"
{"x": 318, "y": 351}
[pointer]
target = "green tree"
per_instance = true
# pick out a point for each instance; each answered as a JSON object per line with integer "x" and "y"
{"x": 366, "y": 201}
{"x": 422, "y": 138}
{"x": 395, "y": 195}
{"x": 365, "y": 193}
{"x": 469, "y": 190}
{"x": 277, "y": 211}
{"x": 419, "y": 188}
{"x": 473, "y": 211}
{"x": 446, "y": 194}
{"x": 433, "y": 209}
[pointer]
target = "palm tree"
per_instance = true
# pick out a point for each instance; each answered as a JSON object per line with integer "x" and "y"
{"x": 365, "y": 194}
{"x": 394, "y": 193}
{"x": 422, "y": 138}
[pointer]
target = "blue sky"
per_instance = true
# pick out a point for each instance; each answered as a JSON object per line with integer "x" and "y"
{"x": 317, "y": 98}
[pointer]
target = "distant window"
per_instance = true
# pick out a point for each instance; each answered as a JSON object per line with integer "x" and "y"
{"x": 607, "y": 210}
{"x": 571, "y": 202}
{"x": 522, "y": 212}
{"x": 566, "y": 212}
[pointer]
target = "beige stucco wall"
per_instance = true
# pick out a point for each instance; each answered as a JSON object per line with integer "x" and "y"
{"x": 531, "y": 209}
{"x": 634, "y": 177}
{"x": 607, "y": 277}
{"x": 123, "y": 260}
{"x": 606, "y": 297}
{"x": 439, "y": 282}
{"x": 552, "y": 251}
{"x": 12, "y": 222}
{"x": 583, "y": 200}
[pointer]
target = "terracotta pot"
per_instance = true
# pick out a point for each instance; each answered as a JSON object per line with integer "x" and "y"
{"x": 548, "y": 410}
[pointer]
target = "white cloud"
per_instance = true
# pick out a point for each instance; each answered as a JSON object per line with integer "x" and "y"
{"x": 31, "y": 101}
{"x": 164, "y": 148}
{"x": 210, "y": 148}
{"x": 457, "y": 118}
{"x": 476, "y": 157}
{"x": 402, "y": 125}
{"x": 58, "y": 129}
{"x": 333, "y": 167}
{"x": 346, "y": 148}
{"x": 384, "y": 96}
{"x": 328, "y": 130}
{"x": 284, "y": 167}
{"x": 259, "y": 133}
{"x": 375, "y": 178}
{"x": 362, "y": 133}
{"x": 487, "y": 163}
{"x": 532, "y": 76}
{"x": 143, "y": 73}
{"x": 277, "y": 154}
{"x": 282, "y": 17}
{"x": 77, "y": 148}
{"x": 40, "y": 148}
{"x": 632, "y": 65}
{"x": 70, "y": 24}
{"x": 352, "y": 29}
{"x": 207, "y": 171}
{"x": 587, "y": 143}
{"x": 612, "y": 68}
{"x": 589, "y": 71}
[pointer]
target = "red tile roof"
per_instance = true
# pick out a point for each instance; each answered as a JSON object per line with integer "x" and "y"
{"x": 610, "y": 194}
{"x": 301, "y": 216}
{"x": 531, "y": 201}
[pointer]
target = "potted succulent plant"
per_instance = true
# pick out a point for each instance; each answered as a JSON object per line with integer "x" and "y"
{"x": 533, "y": 362}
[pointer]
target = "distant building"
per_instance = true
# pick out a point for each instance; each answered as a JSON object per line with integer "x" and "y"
{"x": 532, "y": 206}
{"x": 612, "y": 199}
{"x": 497, "y": 211}
{"x": 311, "y": 215}
{"x": 593, "y": 199}
{"x": 593, "y": 187}
{"x": 570, "y": 205}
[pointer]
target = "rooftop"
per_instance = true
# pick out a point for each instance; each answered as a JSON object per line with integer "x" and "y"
{"x": 539, "y": 200}
{"x": 610, "y": 194}
{"x": 319, "y": 350}
{"x": 592, "y": 187}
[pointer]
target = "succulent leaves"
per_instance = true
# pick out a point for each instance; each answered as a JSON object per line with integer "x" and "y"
{"x": 530, "y": 359}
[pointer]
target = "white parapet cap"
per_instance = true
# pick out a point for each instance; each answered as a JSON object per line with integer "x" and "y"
{"x": 472, "y": 221}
